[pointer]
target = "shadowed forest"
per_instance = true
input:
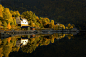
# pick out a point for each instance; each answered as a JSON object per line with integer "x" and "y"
{"x": 62, "y": 11}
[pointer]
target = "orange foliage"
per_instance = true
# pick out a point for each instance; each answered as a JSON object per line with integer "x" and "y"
{"x": 37, "y": 44}
{"x": 8, "y": 39}
{"x": 9, "y": 26}
{"x": 37, "y": 17}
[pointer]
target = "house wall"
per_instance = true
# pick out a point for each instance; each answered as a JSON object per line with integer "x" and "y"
{"x": 18, "y": 21}
{"x": 18, "y": 43}
{"x": 24, "y": 41}
{"x": 21, "y": 21}
{"x": 24, "y": 22}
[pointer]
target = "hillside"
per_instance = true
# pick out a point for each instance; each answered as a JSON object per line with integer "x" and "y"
{"x": 63, "y": 11}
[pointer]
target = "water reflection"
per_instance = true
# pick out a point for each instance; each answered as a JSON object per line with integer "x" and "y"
{"x": 28, "y": 43}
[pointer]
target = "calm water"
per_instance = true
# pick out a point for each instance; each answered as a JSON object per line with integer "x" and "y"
{"x": 44, "y": 45}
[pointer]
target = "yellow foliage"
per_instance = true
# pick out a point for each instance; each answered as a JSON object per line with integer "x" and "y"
{"x": 37, "y": 44}
{"x": 1, "y": 7}
{"x": 69, "y": 25}
{"x": 69, "y": 37}
{"x": 33, "y": 24}
{"x": 66, "y": 27}
{"x": 71, "y": 34}
{"x": 33, "y": 39}
{"x": 37, "y": 17}
{"x": 52, "y": 40}
{"x": 6, "y": 10}
{"x": 52, "y": 22}
{"x": 1, "y": 15}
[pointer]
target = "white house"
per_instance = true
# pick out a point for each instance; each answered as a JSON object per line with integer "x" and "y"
{"x": 21, "y": 21}
{"x": 21, "y": 42}
{"x": 24, "y": 22}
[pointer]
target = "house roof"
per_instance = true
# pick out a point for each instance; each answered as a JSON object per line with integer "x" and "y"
{"x": 20, "y": 18}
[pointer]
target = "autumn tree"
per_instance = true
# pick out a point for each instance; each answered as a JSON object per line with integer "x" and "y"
{"x": 70, "y": 26}
{"x": 52, "y": 23}
{"x": 15, "y": 13}
{"x": 1, "y": 9}
{"x": 7, "y": 15}
{"x": 5, "y": 24}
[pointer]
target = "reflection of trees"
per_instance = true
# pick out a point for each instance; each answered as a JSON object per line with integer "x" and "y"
{"x": 69, "y": 36}
{"x": 40, "y": 40}
{"x": 6, "y": 46}
{"x": 1, "y": 54}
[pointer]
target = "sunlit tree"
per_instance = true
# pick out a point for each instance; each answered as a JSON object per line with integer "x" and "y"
{"x": 52, "y": 23}
{"x": 1, "y": 9}
{"x": 5, "y": 24}
{"x": 7, "y": 15}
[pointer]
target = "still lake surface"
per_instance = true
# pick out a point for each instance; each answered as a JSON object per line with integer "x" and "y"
{"x": 44, "y": 45}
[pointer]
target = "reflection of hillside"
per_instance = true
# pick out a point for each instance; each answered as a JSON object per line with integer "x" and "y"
{"x": 29, "y": 43}
{"x": 40, "y": 41}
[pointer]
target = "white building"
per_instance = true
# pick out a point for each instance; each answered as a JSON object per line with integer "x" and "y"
{"x": 21, "y": 21}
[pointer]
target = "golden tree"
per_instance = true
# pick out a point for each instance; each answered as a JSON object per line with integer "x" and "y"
{"x": 1, "y": 9}
{"x": 52, "y": 23}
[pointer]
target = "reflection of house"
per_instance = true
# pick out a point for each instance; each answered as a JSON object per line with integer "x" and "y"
{"x": 25, "y": 28}
{"x": 31, "y": 36}
{"x": 32, "y": 28}
{"x": 18, "y": 43}
{"x": 24, "y": 41}
{"x": 21, "y": 41}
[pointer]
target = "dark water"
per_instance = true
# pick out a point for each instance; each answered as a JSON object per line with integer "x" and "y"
{"x": 44, "y": 45}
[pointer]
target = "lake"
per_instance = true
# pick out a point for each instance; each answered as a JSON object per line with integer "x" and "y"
{"x": 44, "y": 45}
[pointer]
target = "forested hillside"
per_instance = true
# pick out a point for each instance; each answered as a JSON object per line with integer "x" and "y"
{"x": 63, "y": 11}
